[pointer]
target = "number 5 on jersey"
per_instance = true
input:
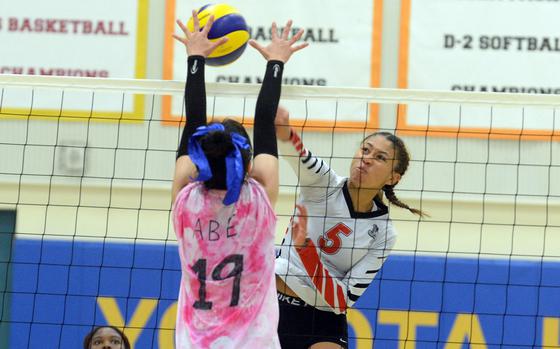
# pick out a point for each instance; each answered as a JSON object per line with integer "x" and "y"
{"x": 330, "y": 242}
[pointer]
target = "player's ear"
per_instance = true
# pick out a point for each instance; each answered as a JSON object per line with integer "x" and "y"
{"x": 394, "y": 179}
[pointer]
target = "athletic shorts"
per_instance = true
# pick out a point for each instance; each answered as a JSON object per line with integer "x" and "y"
{"x": 301, "y": 325}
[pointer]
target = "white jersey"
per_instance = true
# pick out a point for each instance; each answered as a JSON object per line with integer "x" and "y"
{"x": 346, "y": 249}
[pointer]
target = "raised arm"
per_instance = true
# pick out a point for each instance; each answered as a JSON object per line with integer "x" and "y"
{"x": 198, "y": 48}
{"x": 314, "y": 174}
{"x": 277, "y": 53}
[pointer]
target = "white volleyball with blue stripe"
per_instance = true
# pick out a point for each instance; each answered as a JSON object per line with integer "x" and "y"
{"x": 228, "y": 22}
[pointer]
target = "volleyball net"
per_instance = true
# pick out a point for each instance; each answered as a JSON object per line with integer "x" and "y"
{"x": 86, "y": 239}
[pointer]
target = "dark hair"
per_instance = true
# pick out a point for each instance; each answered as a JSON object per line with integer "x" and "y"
{"x": 216, "y": 145}
{"x": 89, "y": 337}
{"x": 401, "y": 165}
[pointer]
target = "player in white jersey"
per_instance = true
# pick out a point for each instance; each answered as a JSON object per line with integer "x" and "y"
{"x": 224, "y": 221}
{"x": 327, "y": 261}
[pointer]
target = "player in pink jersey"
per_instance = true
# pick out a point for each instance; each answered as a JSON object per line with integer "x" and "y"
{"x": 329, "y": 258}
{"x": 223, "y": 219}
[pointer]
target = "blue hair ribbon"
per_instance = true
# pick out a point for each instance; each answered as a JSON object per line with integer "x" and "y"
{"x": 234, "y": 161}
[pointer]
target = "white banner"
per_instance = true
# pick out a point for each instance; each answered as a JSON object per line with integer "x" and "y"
{"x": 480, "y": 45}
{"x": 342, "y": 52}
{"x": 89, "y": 38}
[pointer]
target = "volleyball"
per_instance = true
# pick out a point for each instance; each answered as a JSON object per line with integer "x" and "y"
{"x": 229, "y": 23}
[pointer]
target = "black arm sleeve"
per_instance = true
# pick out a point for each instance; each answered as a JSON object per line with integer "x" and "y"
{"x": 264, "y": 133}
{"x": 195, "y": 101}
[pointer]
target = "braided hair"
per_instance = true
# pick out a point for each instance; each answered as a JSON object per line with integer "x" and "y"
{"x": 403, "y": 160}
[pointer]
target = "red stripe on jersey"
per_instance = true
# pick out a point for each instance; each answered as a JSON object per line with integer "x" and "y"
{"x": 341, "y": 299}
{"x": 310, "y": 260}
{"x": 318, "y": 279}
{"x": 318, "y": 273}
{"x": 329, "y": 292}
{"x": 296, "y": 141}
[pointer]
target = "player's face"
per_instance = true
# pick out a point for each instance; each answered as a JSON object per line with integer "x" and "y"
{"x": 373, "y": 164}
{"x": 107, "y": 338}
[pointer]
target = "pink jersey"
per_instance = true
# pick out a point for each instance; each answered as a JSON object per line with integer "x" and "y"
{"x": 227, "y": 297}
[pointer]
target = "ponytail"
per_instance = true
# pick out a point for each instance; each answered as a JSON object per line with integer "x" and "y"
{"x": 390, "y": 194}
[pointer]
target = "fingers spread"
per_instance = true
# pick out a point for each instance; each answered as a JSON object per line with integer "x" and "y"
{"x": 274, "y": 31}
{"x": 299, "y": 47}
{"x": 296, "y": 37}
{"x": 254, "y": 44}
{"x": 287, "y": 29}
{"x": 195, "y": 21}
{"x": 219, "y": 42}
{"x": 179, "y": 38}
{"x": 257, "y": 46}
{"x": 208, "y": 25}
{"x": 183, "y": 27}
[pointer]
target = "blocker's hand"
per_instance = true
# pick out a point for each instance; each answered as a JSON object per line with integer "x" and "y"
{"x": 197, "y": 42}
{"x": 280, "y": 48}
